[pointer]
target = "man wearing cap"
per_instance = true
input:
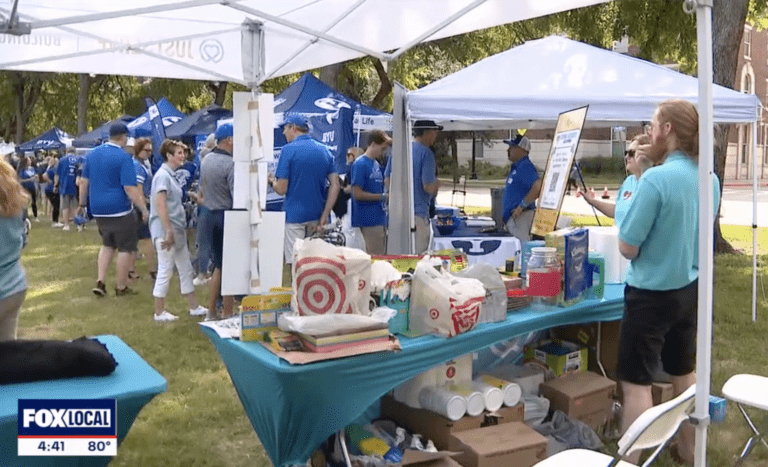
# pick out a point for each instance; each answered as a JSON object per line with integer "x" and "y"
{"x": 217, "y": 182}
{"x": 108, "y": 182}
{"x": 307, "y": 177}
{"x": 64, "y": 185}
{"x": 522, "y": 189}
{"x": 425, "y": 182}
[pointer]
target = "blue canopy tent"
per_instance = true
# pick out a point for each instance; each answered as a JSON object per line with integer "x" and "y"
{"x": 51, "y": 139}
{"x": 98, "y": 136}
{"x": 142, "y": 126}
{"x": 195, "y": 127}
{"x": 334, "y": 118}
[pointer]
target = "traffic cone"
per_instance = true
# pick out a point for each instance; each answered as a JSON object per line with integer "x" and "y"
{"x": 605, "y": 194}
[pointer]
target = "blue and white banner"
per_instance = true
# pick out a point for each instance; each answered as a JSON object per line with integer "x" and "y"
{"x": 158, "y": 133}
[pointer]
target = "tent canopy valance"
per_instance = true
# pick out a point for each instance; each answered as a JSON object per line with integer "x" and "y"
{"x": 54, "y": 138}
{"x": 503, "y": 91}
{"x": 221, "y": 41}
{"x": 95, "y": 137}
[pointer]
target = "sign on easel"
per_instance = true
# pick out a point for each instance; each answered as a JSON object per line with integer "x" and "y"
{"x": 561, "y": 156}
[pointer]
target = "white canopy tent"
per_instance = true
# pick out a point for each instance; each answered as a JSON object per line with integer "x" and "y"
{"x": 249, "y": 41}
{"x": 528, "y": 86}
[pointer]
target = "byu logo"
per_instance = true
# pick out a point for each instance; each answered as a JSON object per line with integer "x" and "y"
{"x": 329, "y": 103}
{"x": 477, "y": 247}
{"x": 211, "y": 50}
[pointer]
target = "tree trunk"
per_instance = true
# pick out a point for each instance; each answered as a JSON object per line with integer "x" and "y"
{"x": 330, "y": 74}
{"x": 728, "y": 18}
{"x": 220, "y": 91}
{"x": 386, "y": 84}
{"x": 82, "y": 103}
{"x": 28, "y": 87}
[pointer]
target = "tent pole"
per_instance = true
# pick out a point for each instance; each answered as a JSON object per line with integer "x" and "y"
{"x": 700, "y": 416}
{"x": 754, "y": 221}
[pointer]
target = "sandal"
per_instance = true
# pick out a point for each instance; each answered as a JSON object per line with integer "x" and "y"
{"x": 153, "y": 274}
{"x": 133, "y": 276}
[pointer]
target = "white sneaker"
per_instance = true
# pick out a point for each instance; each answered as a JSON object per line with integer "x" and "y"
{"x": 79, "y": 228}
{"x": 57, "y": 225}
{"x": 165, "y": 316}
{"x": 200, "y": 280}
{"x": 199, "y": 311}
{"x": 37, "y": 219}
{"x": 28, "y": 223}
{"x": 66, "y": 227}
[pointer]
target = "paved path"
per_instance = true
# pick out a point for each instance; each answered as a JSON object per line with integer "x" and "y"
{"x": 737, "y": 203}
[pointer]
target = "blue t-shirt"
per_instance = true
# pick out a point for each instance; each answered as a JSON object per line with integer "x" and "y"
{"x": 109, "y": 169}
{"x": 367, "y": 174}
{"x": 423, "y": 174}
{"x": 29, "y": 172}
{"x": 51, "y": 173}
{"x": 67, "y": 171}
{"x": 663, "y": 220}
{"x": 624, "y": 199}
{"x": 522, "y": 175}
{"x": 12, "y": 278}
{"x": 186, "y": 175}
{"x": 143, "y": 177}
{"x": 306, "y": 164}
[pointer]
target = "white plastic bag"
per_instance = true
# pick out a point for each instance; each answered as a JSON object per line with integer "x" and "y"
{"x": 330, "y": 279}
{"x": 495, "y": 304}
{"x": 442, "y": 303}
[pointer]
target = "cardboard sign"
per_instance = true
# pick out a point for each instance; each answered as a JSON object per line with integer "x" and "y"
{"x": 561, "y": 156}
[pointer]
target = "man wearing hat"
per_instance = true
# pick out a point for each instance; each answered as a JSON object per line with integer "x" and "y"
{"x": 522, "y": 189}
{"x": 217, "y": 183}
{"x": 108, "y": 182}
{"x": 425, "y": 182}
{"x": 306, "y": 175}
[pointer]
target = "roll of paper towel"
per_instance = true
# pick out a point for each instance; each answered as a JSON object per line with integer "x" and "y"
{"x": 605, "y": 240}
{"x": 408, "y": 392}
{"x": 474, "y": 398}
{"x": 441, "y": 401}
{"x": 511, "y": 391}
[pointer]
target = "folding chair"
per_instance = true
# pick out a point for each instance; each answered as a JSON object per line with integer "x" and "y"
{"x": 752, "y": 391}
{"x": 461, "y": 188}
{"x": 654, "y": 427}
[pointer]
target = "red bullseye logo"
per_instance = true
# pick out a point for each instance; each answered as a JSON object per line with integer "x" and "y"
{"x": 320, "y": 286}
{"x": 434, "y": 314}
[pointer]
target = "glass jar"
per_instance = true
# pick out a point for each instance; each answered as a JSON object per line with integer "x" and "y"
{"x": 543, "y": 276}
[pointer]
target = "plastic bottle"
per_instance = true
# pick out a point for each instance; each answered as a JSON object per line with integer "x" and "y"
{"x": 543, "y": 276}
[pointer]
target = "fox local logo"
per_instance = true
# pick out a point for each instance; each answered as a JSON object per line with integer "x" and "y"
{"x": 60, "y": 416}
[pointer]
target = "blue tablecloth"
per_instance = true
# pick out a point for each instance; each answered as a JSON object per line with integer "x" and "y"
{"x": 493, "y": 248}
{"x": 133, "y": 384}
{"x": 294, "y": 408}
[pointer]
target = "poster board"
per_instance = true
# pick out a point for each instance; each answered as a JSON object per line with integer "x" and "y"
{"x": 561, "y": 156}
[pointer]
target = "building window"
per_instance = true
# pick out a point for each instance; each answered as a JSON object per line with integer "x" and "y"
{"x": 747, "y": 42}
{"x": 746, "y": 84}
{"x": 744, "y": 143}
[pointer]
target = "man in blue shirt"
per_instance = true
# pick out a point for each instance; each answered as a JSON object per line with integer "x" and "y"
{"x": 425, "y": 181}
{"x": 304, "y": 171}
{"x": 368, "y": 196}
{"x": 109, "y": 183}
{"x": 521, "y": 190}
{"x": 64, "y": 185}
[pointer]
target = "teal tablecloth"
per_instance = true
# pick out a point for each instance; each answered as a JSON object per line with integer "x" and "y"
{"x": 133, "y": 384}
{"x": 294, "y": 408}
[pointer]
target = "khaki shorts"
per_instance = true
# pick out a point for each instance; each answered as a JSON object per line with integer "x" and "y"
{"x": 294, "y": 232}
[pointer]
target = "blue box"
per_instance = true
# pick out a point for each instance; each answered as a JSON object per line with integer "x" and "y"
{"x": 717, "y": 409}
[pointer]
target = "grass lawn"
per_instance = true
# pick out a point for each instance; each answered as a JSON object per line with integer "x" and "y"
{"x": 199, "y": 421}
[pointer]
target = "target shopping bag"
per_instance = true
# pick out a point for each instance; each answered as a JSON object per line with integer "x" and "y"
{"x": 442, "y": 303}
{"x": 330, "y": 279}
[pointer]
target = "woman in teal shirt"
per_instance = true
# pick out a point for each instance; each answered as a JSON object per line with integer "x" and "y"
{"x": 13, "y": 284}
{"x": 635, "y": 166}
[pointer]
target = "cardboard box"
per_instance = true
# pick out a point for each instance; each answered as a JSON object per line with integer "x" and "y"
{"x": 662, "y": 392}
{"x": 583, "y": 396}
{"x": 429, "y": 424}
{"x": 560, "y": 356}
{"x": 516, "y": 413}
{"x": 429, "y": 459}
{"x": 586, "y": 335}
{"x": 511, "y": 444}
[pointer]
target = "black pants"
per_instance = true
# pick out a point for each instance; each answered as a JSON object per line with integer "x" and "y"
{"x": 55, "y": 200}
{"x": 33, "y": 195}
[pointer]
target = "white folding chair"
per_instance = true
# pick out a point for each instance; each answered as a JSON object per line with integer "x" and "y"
{"x": 752, "y": 391}
{"x": 653, "y": 428}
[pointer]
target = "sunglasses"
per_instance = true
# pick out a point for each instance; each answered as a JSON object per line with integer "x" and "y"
{"x": 629, "y": 153}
